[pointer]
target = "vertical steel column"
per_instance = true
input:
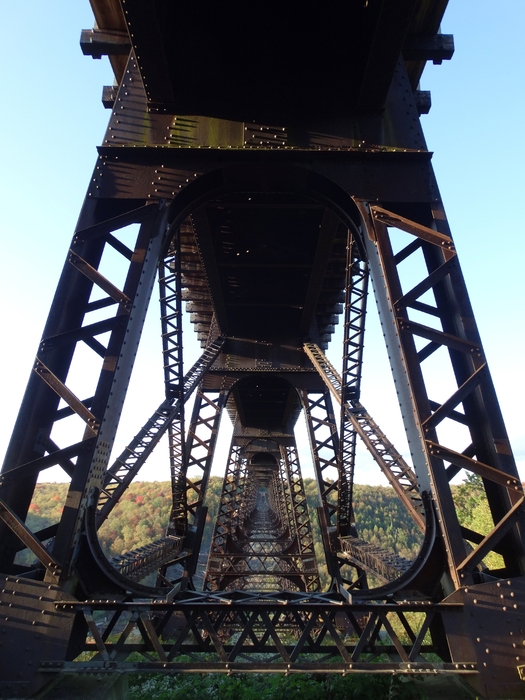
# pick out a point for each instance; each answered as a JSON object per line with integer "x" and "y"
{"x": 282, "y": 496}
{"x": 188, "y": 515}
{"x": 200, "y": 447}
{"x": 82, "y": 291}
{"x": 301, "y": 519}
{"x": 171, "y": 322}
{"x": 324, "y": 443}
{"x": 227, "y": 517}
{"x": 356, "y": 291}
{"x": 417, "y": 327}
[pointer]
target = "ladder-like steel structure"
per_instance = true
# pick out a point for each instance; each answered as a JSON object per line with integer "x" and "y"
{"x": 264, "y": 204}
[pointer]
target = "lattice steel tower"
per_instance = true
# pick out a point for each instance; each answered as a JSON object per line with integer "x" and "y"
{"x": 261, "y": 183}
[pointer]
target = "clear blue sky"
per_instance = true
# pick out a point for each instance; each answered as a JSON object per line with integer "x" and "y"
{"x": 53, "y": 119}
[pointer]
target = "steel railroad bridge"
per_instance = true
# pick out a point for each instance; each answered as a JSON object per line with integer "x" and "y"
{"x": 260, "y": 165}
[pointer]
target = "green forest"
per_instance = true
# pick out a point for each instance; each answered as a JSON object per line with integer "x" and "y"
{"x": 142, "y": 515}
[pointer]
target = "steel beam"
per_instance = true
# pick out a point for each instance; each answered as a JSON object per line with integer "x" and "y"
{"x": 248, "y": 223}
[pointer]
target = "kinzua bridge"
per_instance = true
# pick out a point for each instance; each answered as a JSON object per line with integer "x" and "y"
{"x": 260, "y": 165}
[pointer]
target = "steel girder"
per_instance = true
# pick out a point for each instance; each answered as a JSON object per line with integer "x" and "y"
{"x": 156, "y": 170}
{"x": 445, "y": 326}
{"x": 281, "y": 631}
{"x": 262, "y": 537}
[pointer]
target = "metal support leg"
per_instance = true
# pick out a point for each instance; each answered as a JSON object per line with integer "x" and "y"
{"x": 301, "y": 518}
{"x": 227, "y": 518}
{"x": 82, "y": 291}
{"x": 324, "y": 442}
{"x": 356, "y": 290}
{"x": 464, "y": 428}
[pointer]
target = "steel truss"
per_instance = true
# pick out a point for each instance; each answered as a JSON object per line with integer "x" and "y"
{"x": 445, "y": 326}
{"x": 329, "y": 636}
{"x": 400, "y": 475}
{"x": 356, "y": 290}
{"x": 83, "y": 296}
{"x": 180, "y": 197}
{"x": 165, "y": 419}
{"x": 343, "y": 549}
{"x": 262, "y": 538}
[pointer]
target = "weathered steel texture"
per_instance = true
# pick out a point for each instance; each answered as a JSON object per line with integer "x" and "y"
{"x": 495, "y": 633}
{"x": 98, "y": 43}
{"x": 356, "y": 291}
{"x": 109, "y": 16}
{"x": 140, "y": 562}
{"x": 68, "y": 325}
{"x": 391, "y": 462}
{"x": 293, "y": 187}
{"x": 435, "y": 48}
{"x": 350, "y": 637}
{"x": 233, "y": 484}
{"x": 324, "y": 442}
{"x": 200, "y": 447}
{"x": 126, "y": 467}
{"x": 382, "y": 563}
{"x": 306, "y": 558}
{"x": 32, "y": 631}
{"x": 262, "y": 537}
{"x": 356, "y": 45}
{"x": 170, "y": 289}
{"x": 30, "y": 540}
{"x": 446, "y": 325}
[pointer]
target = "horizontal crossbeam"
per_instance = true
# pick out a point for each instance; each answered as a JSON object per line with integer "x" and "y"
{"x": 274, "y": 632}
{"x": 98, "y": 43}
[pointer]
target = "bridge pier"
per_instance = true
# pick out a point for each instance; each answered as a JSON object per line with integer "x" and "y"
{"x": 265, "y": 206}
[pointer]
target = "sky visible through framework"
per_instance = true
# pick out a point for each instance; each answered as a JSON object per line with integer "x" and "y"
{"x": 52, "y": 120}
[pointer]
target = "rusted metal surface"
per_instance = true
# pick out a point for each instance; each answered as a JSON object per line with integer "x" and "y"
{"x": 266, "y": 217}
{"x": 386, "y": 565}
{"x": 98, "y": 43}
{"x": 32, "y": 631}
{"x": 140, "y": 562}
{"x": 391, "y": 462}
{"x": 351, "y": 636}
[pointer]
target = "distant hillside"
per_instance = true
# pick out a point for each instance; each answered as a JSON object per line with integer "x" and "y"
{"x": 142, "y": 516}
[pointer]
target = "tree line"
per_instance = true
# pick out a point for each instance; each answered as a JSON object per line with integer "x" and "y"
{"x": 142, "y": 514}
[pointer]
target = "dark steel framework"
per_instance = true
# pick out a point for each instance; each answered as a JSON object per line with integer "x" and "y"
{"x": 267, "y": 233}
